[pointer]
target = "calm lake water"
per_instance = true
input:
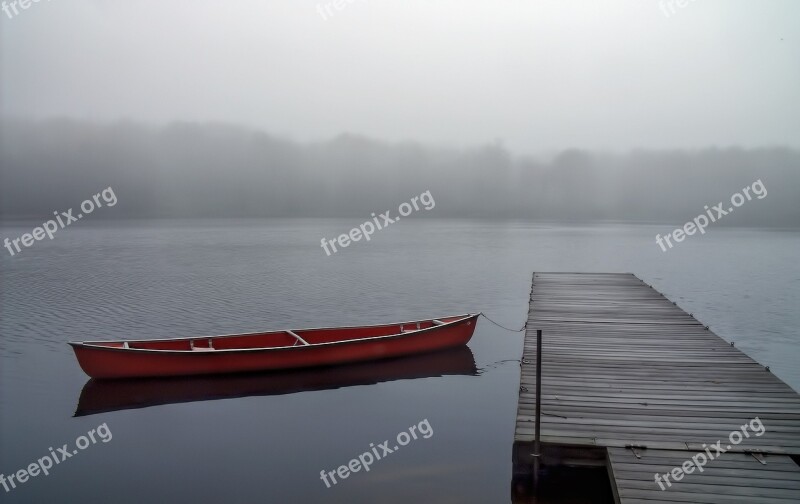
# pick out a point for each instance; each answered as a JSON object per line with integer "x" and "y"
{"x": 266, "y": 440}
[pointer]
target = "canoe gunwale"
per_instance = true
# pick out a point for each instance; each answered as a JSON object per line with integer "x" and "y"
{"x": 100, "y": 345}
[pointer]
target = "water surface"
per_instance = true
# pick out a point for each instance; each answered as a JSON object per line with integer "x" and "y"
{"x": 253, "y": 444}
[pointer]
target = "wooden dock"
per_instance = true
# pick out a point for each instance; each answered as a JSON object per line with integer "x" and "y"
{"x": 633, "y": 383}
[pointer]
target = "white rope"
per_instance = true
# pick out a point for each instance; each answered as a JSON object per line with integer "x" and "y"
{"x": 503, "y": 327}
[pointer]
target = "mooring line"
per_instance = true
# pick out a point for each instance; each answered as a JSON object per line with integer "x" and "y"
{"x": 504, "y": 327}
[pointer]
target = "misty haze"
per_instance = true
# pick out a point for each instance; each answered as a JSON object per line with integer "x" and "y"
{"x": 189, "y": 170}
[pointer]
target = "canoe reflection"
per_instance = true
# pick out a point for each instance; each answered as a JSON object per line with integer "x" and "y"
{"x": 102, "y": 396}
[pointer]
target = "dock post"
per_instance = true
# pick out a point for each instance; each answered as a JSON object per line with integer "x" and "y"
{"x": 536, "y": 448}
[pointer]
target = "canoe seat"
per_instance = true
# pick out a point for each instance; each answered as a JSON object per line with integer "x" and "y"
{"x": 209, "y": 348}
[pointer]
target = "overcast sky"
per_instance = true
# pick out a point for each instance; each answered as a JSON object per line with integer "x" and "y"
{"x": 536, "y": 75}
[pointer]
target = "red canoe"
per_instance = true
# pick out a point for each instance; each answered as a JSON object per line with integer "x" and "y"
{"x": 264, "y": 351}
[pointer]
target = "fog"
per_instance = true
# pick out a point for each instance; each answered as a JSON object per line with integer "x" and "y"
{"x": 625, "y": 110}
{"x": 540, "y": 75}
{"x": 186, "y": 170}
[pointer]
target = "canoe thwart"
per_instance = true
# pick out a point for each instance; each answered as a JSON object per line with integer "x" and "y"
{"x": 298, "y": 338}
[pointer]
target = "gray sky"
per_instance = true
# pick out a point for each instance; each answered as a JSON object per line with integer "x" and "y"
{"x": 537, "y": 75}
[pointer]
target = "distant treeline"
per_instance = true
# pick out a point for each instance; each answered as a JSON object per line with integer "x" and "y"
{"x": 212, "y": 170}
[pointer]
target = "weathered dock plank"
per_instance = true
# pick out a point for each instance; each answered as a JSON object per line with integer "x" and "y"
{"x": 622, "y": 365}
{"x": 733, "y": 478}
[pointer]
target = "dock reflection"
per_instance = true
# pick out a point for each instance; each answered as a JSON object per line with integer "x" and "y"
{"x": 567, "y": 475}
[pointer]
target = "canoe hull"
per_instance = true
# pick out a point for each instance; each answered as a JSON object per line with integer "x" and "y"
{"x": 108, "y": 363}
{"x": 103, "y": 396}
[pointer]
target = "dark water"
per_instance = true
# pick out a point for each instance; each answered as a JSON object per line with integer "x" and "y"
{"x": 264, "y": 440}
